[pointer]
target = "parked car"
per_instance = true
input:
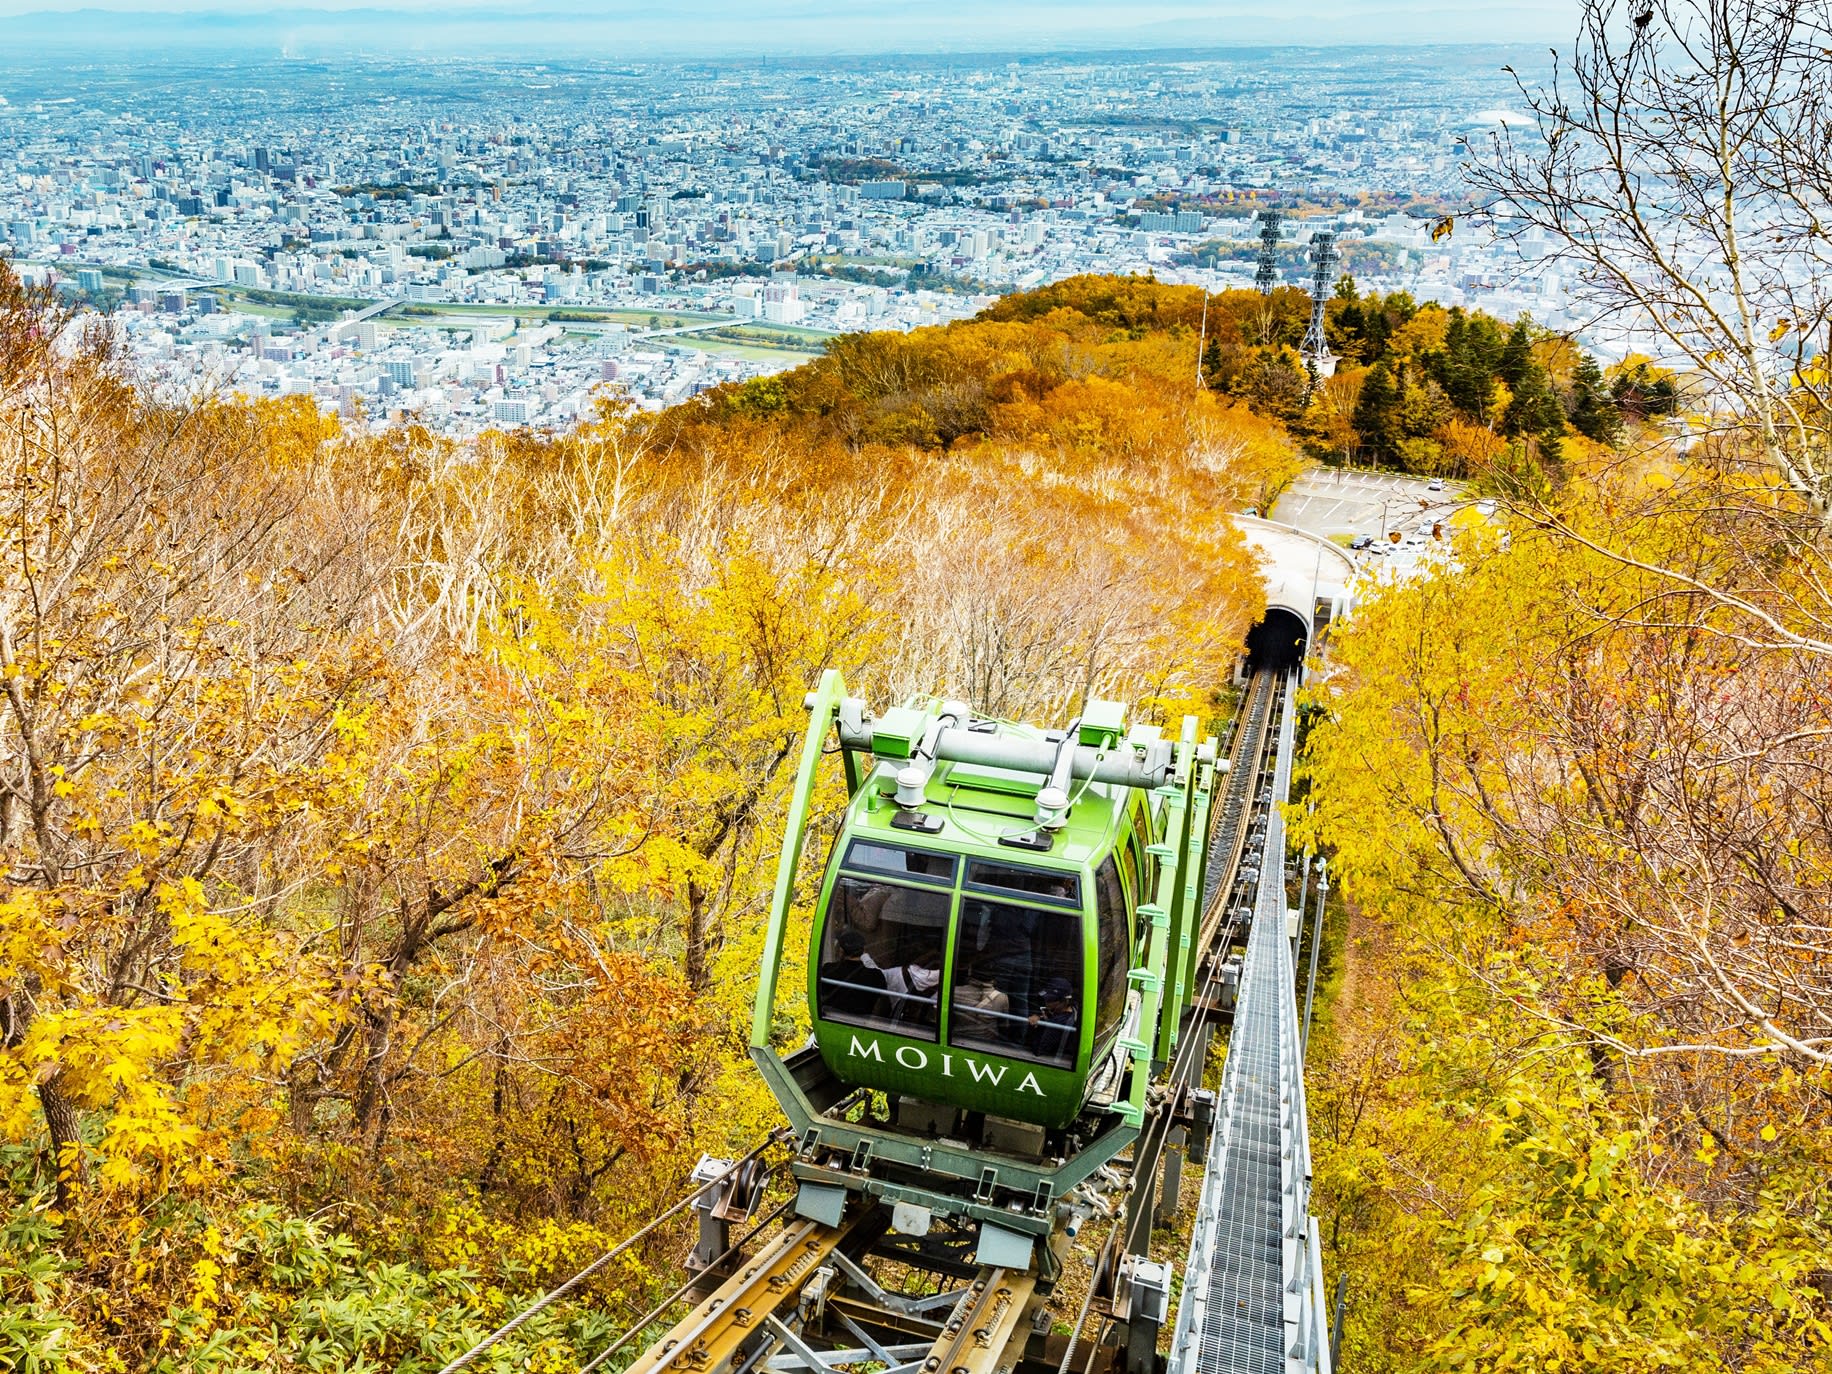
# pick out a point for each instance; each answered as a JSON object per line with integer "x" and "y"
{"x": 1362, "y": 541}
{"x": 1435, "y": 484}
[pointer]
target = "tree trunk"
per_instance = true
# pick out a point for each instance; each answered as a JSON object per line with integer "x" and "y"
{"x": 66, "y": 1141}
{"x": 697, "y": 917}
{"x": 499, "y": 1089}
{"x": 422, "y": 927}
{"x": 366, "y": 1104}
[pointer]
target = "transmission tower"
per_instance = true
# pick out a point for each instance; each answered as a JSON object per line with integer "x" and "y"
{"x": 1268, "y": 275}
{"x": 1322, "y": 283}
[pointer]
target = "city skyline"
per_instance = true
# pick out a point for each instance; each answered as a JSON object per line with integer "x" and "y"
{"x": 482, "y": 241}
{"x": 789, "y": 27}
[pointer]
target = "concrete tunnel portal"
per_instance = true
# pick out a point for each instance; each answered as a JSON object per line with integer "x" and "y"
{"x": 1307, "y": 580}
{"x": 1278, "y": 642}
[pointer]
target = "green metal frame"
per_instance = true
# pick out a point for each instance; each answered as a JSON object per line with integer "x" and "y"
{"x": 1208, "y": 780}
{"x": 823, "y": 709}
{"x": 1163, "y": 982}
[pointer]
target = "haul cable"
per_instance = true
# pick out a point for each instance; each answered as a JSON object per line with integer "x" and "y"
{"x": 556, "y": 1294}
{"x": 1096, "y": 1275}
{"x": 642, "y": 1323}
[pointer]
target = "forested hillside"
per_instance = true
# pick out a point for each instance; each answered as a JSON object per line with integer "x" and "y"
{"x": 1417, "y": 388}
{"x": 386, "y": 821}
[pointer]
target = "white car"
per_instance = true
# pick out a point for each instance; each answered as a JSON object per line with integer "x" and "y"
{"x": 1435, "y": 484}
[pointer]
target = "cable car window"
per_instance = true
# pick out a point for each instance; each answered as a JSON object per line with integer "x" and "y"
{"x": 1148, "y": 866}
{"x": 1110, "y": 979}
{"x": 1042, "y": 884}
{"x": 920, "y": 864}
{"x": 1129, "y": 870}
{"x": 1017, "y": 982}
{"x": 881, "y": 948}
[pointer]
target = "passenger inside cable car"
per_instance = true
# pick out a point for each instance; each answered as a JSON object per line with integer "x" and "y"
{"x": 1018, "y": 943}
{"x": 854, "y": 986}
{"x": 1052, "y": 1025}
{"x": 898, "y": 931}
{"x": 1019, "y": 934}
{"x": 914, "y": 988}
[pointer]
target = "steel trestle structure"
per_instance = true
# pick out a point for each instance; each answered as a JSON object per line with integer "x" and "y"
{"x": 1324, "y": 257}
{"x": 1253, "y": 1299}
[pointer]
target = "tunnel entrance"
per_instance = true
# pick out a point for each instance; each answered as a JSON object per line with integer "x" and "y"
{"x": 1277, "y": 642}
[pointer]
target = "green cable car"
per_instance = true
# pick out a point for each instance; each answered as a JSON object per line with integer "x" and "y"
{"x": 969, "y": 957}
{"x": 1001, "y": 950}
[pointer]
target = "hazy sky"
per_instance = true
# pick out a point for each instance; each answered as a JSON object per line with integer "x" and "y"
{"x": 863, "y": 25}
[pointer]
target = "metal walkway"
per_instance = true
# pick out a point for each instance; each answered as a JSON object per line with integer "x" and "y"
{"x": 1253, "y": 1299}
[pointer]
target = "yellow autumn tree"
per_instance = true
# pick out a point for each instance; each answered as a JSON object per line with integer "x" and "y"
{"x": 1570, "y": 1129}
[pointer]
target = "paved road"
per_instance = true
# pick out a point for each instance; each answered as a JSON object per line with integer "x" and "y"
{"x": 700, "y": 328}
{"x": 813, "y": 341}
{"x": 525, "y": 309}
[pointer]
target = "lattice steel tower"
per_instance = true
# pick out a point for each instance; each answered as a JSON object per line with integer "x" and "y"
{"x": 1268, "y": 275}
{"x": 1322, "y": 283}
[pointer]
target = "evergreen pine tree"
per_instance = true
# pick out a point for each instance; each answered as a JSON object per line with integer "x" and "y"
{"x": 1516, "y": 361}
{"x": 1211, "y": 363}
{"x": 1377, "y": 327}
{"x": 1376, "y": 412}
{"x": 1345, "y": 327}
{"x": 1642, "y": 394}
{"x": 1593, "y": 410}
{"x": 1534, "y": 408}
{"x": 1464, "y": 376}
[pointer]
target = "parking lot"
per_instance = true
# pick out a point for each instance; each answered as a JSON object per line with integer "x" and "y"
{"x": 1338, "y": 502}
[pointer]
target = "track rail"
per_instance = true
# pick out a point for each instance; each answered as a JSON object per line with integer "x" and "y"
{"x": 709, "y": 1338}
{"x": 753, "y": 1313}
{"x": 1250, "y": 763}
{"x": 1249, "y": 759}
{"x": 988, "y": 1322}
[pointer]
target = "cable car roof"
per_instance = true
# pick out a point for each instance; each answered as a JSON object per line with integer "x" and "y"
{"x": 982, "y": 814}
{"x": 963, "y": 781}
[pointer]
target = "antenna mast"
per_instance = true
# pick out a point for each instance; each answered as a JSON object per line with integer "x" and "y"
{"x": 1316, "y": 348}
{"x": 1268, "y": 275}
{"x": 1202, "y": 341}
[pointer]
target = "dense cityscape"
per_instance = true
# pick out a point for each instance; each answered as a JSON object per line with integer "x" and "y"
{"x": 482, "y": 244}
